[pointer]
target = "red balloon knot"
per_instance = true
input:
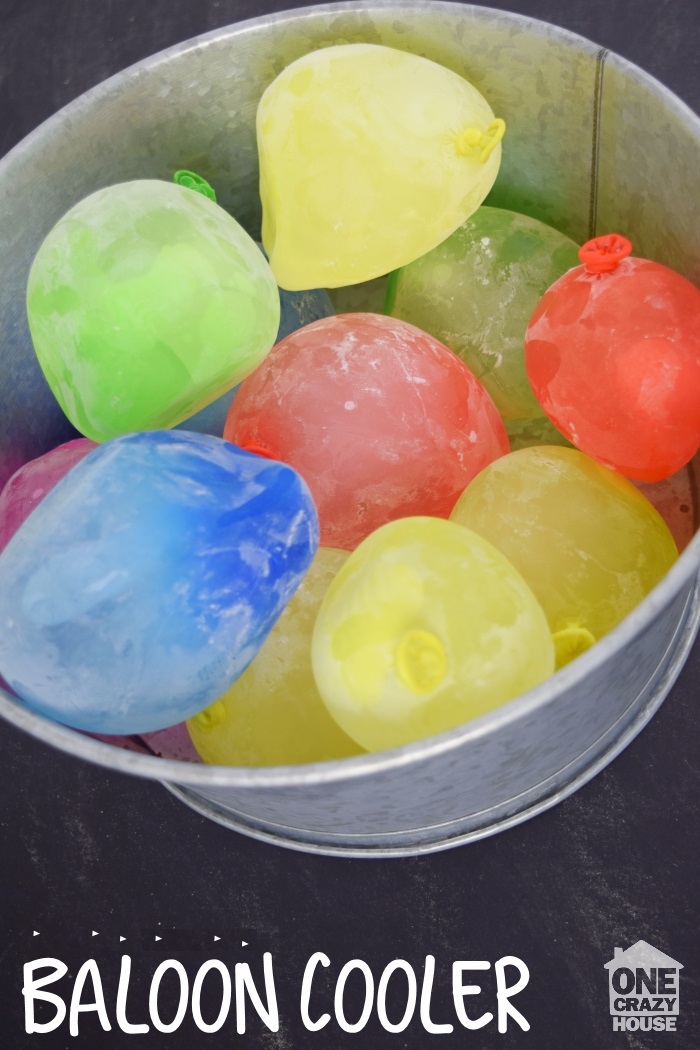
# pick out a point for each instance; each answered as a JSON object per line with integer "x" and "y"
{"x": 604, "y": 254}
{"x": 253, "y": 446}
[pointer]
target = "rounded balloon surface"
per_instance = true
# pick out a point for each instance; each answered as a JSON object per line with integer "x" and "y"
{"x": 476, "y": 292}
{"x": 369, "y": 157}
{"x": 425, "y": 627}
{"x": 380, "y": 419}
{"x": 613, "y": 355}
{"x": 28, "y": 486}
{"x": 589, "y": 544}
{"x": 147, "y": 579}
{"x": 273, "y": 714}
{"x": 146, "y": 302}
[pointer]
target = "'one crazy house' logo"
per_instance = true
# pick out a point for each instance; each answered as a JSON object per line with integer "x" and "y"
{"x": 644, "y": 989}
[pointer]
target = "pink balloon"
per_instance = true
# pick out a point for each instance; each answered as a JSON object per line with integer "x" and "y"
{"x": 28, "y": 486}
{"x": 381, "y": 420}
{"x": 174, "y": 742}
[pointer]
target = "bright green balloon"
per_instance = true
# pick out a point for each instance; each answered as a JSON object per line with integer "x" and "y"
{"x": 146, "y": 302}
{"x": 476, "y": 292}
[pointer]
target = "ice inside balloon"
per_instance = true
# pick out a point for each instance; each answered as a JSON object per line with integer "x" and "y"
{"x": 147, "y": 579}
{"x": 589, "y": 544}
{"x": 379, "y": 418}
{"x": 613, "y": 355}
{"x": 146, "y": 302}
{"x": 426, "y": 626}
{"x": 476, "y": 291}
{"x": 369, "y": 157}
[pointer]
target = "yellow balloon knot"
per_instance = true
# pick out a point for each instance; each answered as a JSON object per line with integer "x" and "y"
{"x": 421, "y": 661}
{"x": 468, "y": 139}
{"x": 472, "y": 138}
{"x": 211, "y": 716}
{"x": 570, "y": 643}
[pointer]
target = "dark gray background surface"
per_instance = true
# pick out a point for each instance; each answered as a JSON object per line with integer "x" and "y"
{"x": 83, "y": 850}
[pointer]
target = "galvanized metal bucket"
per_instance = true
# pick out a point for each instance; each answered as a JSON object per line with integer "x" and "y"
{"x": 594, "y": 145}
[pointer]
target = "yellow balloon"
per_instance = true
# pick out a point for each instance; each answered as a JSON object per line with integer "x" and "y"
{"x": 273, "y": 714}
{"x": 588, "y": 543}
{"x": 369, "y": 157}
{"x": 426, "y": 626}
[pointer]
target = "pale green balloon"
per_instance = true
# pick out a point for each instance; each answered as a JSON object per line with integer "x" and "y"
{"x": 146, "y": 302}
{"x": 476, "y": 293}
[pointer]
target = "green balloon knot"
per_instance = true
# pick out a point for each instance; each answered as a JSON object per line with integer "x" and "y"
{"x": 194, "y": 182}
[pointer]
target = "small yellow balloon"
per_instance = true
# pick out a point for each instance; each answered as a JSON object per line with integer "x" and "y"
{"x": 588, "y": 543}
{"x": 426, "y": 626}
{"x": 369, "y": 157}
{"x": 273, "y": 714}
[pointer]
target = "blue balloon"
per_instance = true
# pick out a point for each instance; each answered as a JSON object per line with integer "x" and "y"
{"x": 145, "y": 582}
{"x": 296, "y": 310}
{"x": 301, "y": 308}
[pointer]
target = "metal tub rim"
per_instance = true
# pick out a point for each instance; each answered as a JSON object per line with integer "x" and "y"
{"x": 195, "y": 775}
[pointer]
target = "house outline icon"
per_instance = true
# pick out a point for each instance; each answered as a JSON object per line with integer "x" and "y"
{"x": 643, "y": 956}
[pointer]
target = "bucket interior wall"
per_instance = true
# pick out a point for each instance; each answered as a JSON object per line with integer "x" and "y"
{"x": 592, "y": 146}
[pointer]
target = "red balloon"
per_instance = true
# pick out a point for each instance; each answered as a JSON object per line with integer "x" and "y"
{"x": 380, "y": 419}
{"x": 613, "y": 355}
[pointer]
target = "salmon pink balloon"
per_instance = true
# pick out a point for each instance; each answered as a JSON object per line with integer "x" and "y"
{"x": 613, "y": 355}
{"x": 380, "y": 419}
